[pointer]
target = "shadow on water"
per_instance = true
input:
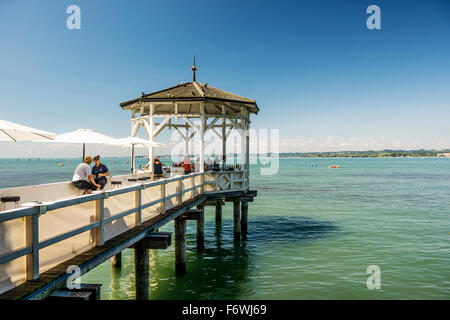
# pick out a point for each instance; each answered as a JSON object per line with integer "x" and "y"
{"x": 224, "y": 269}
{"x": 281, "y": 228}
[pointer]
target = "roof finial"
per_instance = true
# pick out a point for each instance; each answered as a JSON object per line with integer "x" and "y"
{"x": 193, "y": 68}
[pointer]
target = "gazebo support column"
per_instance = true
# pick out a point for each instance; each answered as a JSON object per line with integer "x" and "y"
{"x": 247, "y": 151}
{"x": 202, "y": 138}
{"x": 134, "y": 129}
{"x": 224, "y": 143}
{"x": 186, "y": 140}
{"x": 149, "y": 126}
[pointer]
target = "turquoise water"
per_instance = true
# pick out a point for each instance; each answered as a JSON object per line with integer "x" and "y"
{"x": 312, "y": 234}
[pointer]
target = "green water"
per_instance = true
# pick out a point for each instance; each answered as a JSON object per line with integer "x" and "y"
{"x": 312, "y": 234}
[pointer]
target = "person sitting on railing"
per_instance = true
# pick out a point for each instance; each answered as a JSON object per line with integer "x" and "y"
{"x": 187, "y": 164}
{"x": 157, "y": 169}
{"x": 82, "y": 177}
{"x": 100, "y": 172}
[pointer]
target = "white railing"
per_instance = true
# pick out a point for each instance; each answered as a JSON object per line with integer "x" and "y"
{"x": 200, "y": 183}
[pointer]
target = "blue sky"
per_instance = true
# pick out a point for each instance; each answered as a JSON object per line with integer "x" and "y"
{"x": 318, "y": 74}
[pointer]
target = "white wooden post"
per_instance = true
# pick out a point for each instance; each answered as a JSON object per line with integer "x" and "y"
{"x": 163, "y": 197}
{"x": 149, "y": 126}
{"x": 186, "y": 140}
{"x": 180, "y": 190}
{"x": 150, "y": 149}
{"x": 224, "y": 142}
{"x": 247, "y": 150}
{"x": 32, "y": 239}
{"x": 202, "y": 137}
{"x": 134, "y": 129}
{"x": 243, "y": 139}
{"x": 138, "y": 205}
{"x": 99, "y": 216}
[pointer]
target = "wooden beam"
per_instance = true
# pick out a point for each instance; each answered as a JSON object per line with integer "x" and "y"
{"x": 189, "y": 122}
{"x": 218, "y": 213}
{"x": 211, "y": 124}
{"x": 155, "y": 240}
{"x": 193, "y": 214}
{"x": 180, "y": 246}
{"x": 236, "y": 219}
{"x": 217, "y": 133}
{"x": 201, "y": 230}
{"x": 179, "y": 131}
{"x": 161, "y": 126}
{"x": 94, "y": 289}
{"x": 116, "y": 261}
{"x": 244, "y": 216}
{"x": 70, "y": 295}
{"x": 213, "y": 202}
{"x": 200, "y": 90}
{"x": 142, "y": 273}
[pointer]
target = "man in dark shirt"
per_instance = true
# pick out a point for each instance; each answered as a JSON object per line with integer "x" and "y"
{"x": 100, "y": 172}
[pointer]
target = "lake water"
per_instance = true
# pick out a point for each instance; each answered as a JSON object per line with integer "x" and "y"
{"x": 312, "y": 233}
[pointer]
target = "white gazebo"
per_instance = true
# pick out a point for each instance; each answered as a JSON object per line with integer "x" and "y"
{"x": 216, "y": 110}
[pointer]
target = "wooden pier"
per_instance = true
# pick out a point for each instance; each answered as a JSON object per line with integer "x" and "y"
{"x": 44, "y": 239}
{"x": 142, "y": 237}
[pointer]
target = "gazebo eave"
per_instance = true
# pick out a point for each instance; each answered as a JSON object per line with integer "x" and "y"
{"x": 145, "y": 102}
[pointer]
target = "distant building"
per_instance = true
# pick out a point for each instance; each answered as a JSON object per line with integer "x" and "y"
{"x": 444, "y": 155}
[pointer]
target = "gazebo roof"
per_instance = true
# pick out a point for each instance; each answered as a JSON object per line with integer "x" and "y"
{"x": 192, "y": 92}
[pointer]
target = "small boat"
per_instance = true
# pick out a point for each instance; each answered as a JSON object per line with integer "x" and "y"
{"x": 334, "y": 167}
{"x": 265, "y": 163}
{"x": 61, "y": 165}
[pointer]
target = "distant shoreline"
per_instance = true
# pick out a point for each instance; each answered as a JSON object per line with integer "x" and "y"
{"x": 371, "y": 154}
{"x": 328, "y": 154}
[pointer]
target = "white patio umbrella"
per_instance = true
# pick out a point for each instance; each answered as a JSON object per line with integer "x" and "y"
{"x": 136, "y": 142}
{"x": 10, "y": 131}
{"x": 83, "y": 136}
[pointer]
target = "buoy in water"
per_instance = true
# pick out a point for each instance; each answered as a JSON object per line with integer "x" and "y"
{"x": 334, "y": 167}
{"x": 61, "y": 165}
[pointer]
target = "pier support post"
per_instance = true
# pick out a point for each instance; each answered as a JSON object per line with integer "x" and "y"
{"x": 218, "y": 213}
{"x": 180, "y": 246}
{"x": 236, "y": 218}
{"x": 116, "y": 261}
{"x": 142, "y": 272}
{"x": 201, "y": 230}
{"x": 244, "y": 216}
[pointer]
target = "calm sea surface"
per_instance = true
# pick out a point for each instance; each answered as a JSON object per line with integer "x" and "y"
{"x": 312, "y": 234}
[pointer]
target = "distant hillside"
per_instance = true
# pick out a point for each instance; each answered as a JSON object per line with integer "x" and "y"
{"x": 367, "y": 154}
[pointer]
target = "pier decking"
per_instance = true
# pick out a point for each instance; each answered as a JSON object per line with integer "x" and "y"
{"x": 38, "y": 273}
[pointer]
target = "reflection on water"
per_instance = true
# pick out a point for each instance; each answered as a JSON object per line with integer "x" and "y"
{"x": 223, "y": 270}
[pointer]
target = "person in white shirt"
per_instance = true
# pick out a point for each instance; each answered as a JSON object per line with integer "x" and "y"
{"x": 197, "y": 164}
{"x": 82, "y": 177}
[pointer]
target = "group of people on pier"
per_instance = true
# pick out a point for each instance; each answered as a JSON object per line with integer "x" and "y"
{"x": 93, "y": 179}
{"x": 189, "y": 166}
{"x": 88, "y": 179}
